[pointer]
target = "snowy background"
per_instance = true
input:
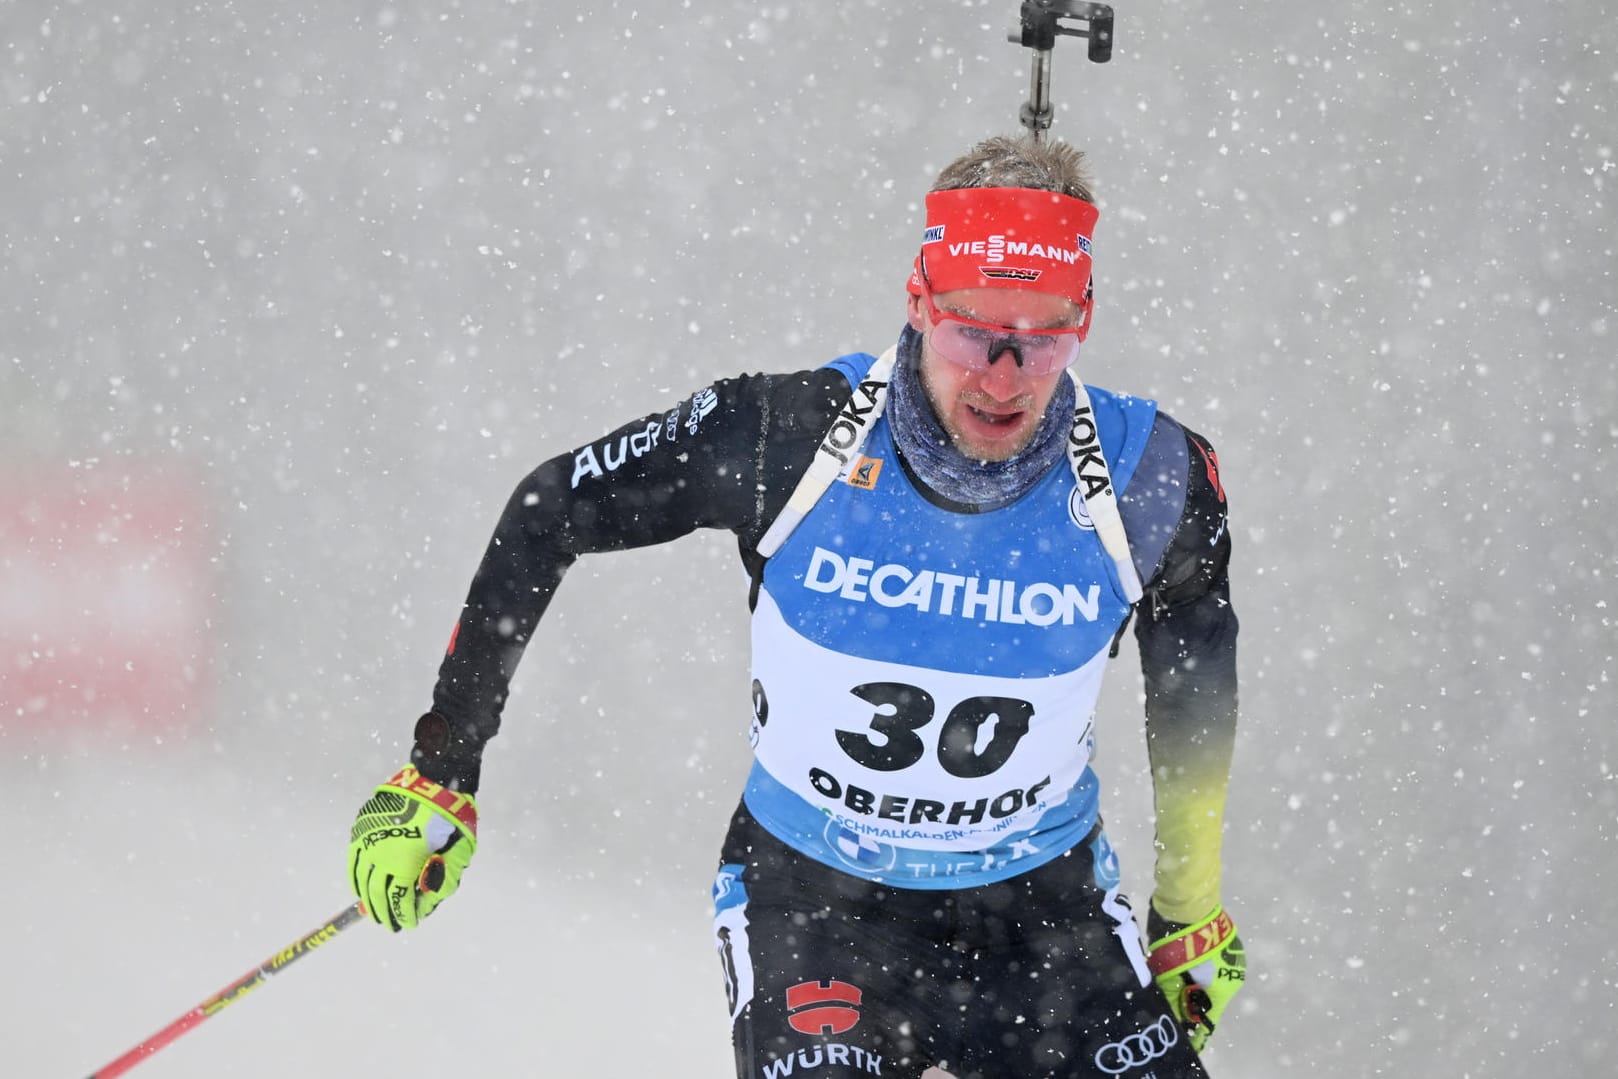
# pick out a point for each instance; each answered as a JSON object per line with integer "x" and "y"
{"x": 293, "y": 293}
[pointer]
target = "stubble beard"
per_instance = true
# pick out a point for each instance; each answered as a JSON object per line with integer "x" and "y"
{"x": 963, "y": 441}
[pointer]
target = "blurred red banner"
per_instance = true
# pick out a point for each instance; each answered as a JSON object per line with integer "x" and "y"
{"x": 104, "y": 598}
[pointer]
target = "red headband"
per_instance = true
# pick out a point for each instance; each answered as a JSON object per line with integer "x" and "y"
{"x": 1007, "y": 237}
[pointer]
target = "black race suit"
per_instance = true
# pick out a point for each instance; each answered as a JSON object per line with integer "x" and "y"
{"x": 1033, "y": 975}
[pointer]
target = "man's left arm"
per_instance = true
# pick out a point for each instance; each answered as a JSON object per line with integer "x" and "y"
{"x": 1186, "y": 632}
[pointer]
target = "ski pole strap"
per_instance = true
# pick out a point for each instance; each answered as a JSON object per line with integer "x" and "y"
{"x": 1093, "y": 480}
{"x": 1191, "y": 945}
{"x": 462, "y": 808}
{"x": 840, "y": 445}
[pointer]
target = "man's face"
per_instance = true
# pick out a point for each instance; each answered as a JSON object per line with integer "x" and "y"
{"x": 990, "y": 412}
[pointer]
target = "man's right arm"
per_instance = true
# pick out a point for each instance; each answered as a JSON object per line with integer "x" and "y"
{"x": 716, "y": 460}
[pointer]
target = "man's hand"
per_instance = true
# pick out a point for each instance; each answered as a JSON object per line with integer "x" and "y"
{"x": 1199, "y": 967}
{"x": 410, "y": 844}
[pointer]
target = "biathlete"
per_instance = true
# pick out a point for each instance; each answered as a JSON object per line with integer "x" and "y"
{"x": 945, "y": 543}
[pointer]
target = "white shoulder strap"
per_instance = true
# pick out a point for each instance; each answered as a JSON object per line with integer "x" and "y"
{"x": 842, "y": 442}
{"x": 1093, "y": 479}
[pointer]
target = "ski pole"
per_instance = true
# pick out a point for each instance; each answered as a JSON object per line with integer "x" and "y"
{"x": 1041, "y": 24}
{"x": 234, "y": 991}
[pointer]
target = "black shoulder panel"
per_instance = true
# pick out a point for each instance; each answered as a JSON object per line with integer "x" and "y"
{"x": 1198, "y": 555}
{"x": 1154, "y": 500}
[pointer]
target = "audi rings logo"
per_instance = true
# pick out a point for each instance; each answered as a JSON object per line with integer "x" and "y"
{"x": 1138, "y": 1049}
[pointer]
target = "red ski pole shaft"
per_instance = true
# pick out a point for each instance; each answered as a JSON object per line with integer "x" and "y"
{"x": 234, "y": 991}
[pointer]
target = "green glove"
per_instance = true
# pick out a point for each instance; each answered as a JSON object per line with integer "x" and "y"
{"x": 1199, "y": 967}
{"x": 410, "y": 844}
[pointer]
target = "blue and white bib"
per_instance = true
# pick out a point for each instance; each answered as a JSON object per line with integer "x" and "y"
{"x": 925, "y": 680}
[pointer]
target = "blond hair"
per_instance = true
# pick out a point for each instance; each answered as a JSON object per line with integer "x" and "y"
{"x": 1007, "y": 161}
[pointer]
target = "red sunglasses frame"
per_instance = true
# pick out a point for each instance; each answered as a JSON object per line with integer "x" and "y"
{"x": 938, "y": 315}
